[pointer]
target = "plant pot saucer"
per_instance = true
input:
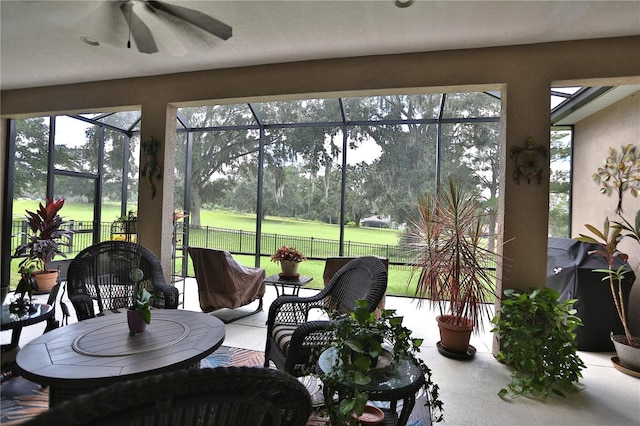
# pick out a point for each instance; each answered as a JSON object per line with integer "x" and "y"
{"x": 289, "y": 277}
{"x": 470, "y": 353}
{"x": 616, "y": 363}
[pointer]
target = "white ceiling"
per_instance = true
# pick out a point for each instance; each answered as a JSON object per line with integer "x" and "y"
{"x": 41, "y": 40}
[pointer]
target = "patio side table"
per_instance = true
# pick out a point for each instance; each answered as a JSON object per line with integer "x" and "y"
{"x": 399, "y": 381}
{"x": 286, "y": 282}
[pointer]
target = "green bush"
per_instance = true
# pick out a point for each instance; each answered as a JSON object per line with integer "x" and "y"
{"x": 538, "y": 340}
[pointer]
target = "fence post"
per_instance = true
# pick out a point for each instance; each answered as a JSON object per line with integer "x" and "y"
{"x": 311, "y": 249}
{"x": 71, "y": 226}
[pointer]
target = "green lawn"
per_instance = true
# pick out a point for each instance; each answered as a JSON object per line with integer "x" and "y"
{"x": 398, "y": 276}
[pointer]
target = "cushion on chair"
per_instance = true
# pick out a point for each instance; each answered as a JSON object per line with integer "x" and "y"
{"x": 282, "y": 335}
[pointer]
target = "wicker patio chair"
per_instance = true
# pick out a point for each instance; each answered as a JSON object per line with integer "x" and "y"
{"x": 333, "y": 265}
{"x": 293, "y": 342}
{"x": 225, "y": 283}
{"x": 223, "y": 396}
{"x": 101, "y": 274}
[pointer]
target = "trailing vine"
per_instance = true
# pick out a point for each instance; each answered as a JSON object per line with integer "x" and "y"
{"x": 538, "y": 340}
{"x": 360, "y": 338}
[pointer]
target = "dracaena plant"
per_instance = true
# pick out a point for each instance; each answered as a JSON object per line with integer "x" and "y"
{"x": 607, "y": 240}
{"x": 449, "y": 241}
{"x": 47, "y": 236}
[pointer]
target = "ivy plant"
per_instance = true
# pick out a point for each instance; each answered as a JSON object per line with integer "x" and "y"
{"x": 359, "y": 340}
{"x": 538, "y": 340}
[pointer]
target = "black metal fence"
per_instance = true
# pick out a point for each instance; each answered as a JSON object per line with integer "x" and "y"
{"x": 244, "y": 242}
{"x": 234, "y": 241}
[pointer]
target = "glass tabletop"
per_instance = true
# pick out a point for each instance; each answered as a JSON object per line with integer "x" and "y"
{"x": 401, "y": 375}
{"x": 10, "y": 320}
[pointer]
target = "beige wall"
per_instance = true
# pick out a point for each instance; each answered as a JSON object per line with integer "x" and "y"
{"x": 524, "y": 73}
{"x": 613, "y": 127}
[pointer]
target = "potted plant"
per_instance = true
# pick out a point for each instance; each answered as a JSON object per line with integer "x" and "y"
{"x": 139, "y": 313}
{"x": 289, "y": 259}
{"x": 47, "y": 239}
{"x": 627, "y": 346}
{"x": 364, "y": 342}
{"x": 124, "y": 227}
{"x": 449, "y": 240}
{"x": 538, "y": 340}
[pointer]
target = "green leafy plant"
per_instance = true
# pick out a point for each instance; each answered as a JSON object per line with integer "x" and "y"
{"x": 141, "y": 297}
{"x": 538, "y": 340}
{"x": 608, "y": 239}
{"x": 48, "y": 235}
{"x": 360, "y": 338}
{"x": 141, "y": 301}
{"x": 448, "y": 241}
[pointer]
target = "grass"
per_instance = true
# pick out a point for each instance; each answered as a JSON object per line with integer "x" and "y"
{"x": 398, "y": 276}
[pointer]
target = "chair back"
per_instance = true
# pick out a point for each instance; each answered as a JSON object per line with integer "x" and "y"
{"x": 223, "y": 396}
{"x": 103, "y": 272}
{"x": 361, "y": 278}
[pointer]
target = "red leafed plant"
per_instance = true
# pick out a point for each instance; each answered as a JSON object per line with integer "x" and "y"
{"x": 287, "y": 253}
{"x": 48, "y": 235}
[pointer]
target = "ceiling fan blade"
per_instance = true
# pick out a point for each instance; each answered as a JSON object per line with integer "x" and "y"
{"x": 199, "y": 19}
{"x": 139, "y": 30}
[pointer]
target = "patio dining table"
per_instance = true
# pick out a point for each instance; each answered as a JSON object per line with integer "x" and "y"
{"x": 97, "y": 352}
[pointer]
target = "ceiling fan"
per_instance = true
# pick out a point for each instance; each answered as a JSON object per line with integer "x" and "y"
{"x": 142, "y": 34}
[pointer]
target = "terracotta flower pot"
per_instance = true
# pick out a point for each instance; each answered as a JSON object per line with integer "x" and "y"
{"x": 46, "y": 280}
{"x": 453, "y": 337}
{"x": 135, "y": 321}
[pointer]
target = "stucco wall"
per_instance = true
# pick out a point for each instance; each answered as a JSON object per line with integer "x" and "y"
{"x": 617, "y": 125}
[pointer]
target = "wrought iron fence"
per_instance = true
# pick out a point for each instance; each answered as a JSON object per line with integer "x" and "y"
{"x": 235, "y": 241}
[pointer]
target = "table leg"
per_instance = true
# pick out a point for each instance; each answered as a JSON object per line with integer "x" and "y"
{"x": 15, "y": 336}
{"x": 407, "y": 407}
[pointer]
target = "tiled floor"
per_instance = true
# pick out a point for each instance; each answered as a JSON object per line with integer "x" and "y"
{"x": 469, "y": 388}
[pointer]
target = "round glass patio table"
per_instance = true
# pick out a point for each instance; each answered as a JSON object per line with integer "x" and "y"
{"x": 398, "y": 381}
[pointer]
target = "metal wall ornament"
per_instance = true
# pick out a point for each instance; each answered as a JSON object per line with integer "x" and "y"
{"x": 620, "y": 172}
{"x": 530, "y": 161}
{"x": 151, "y": 167}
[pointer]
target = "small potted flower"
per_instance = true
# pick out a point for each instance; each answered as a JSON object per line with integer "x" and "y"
{"x": 139, "y": 313}
{"x": 289, "y": 258}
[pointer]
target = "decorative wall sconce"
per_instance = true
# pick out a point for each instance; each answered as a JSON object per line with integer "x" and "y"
{"x": 529, "y": 161}
{"x": 151, "y": 167}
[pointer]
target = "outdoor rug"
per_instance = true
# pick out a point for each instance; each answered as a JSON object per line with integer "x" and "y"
{"x": 21, "y": 399}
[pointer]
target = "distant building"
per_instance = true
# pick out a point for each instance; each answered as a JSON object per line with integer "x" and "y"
{"x": 374, "y": 222}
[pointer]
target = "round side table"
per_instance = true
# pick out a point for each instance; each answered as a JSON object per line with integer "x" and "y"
{"x": 399, "y": 381}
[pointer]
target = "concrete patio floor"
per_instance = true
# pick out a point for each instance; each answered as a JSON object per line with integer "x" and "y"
{"x": 467, "y": 388}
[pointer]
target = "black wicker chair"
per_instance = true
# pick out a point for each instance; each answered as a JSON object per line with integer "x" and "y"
{"x": 223, "y": 396}
{"x": 293, "y": 341}
{"x": 101, "y": 273}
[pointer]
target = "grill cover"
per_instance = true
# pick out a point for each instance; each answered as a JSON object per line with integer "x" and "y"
{"x": 570, "y": 272}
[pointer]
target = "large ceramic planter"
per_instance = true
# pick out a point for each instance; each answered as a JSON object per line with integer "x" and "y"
{"x": 289, "y": 268}
{"x": 629, "y": 356}
{"x": 454, "y": 338}
{"x": 46, "y": 280}
{"x": 135, "y": 322}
